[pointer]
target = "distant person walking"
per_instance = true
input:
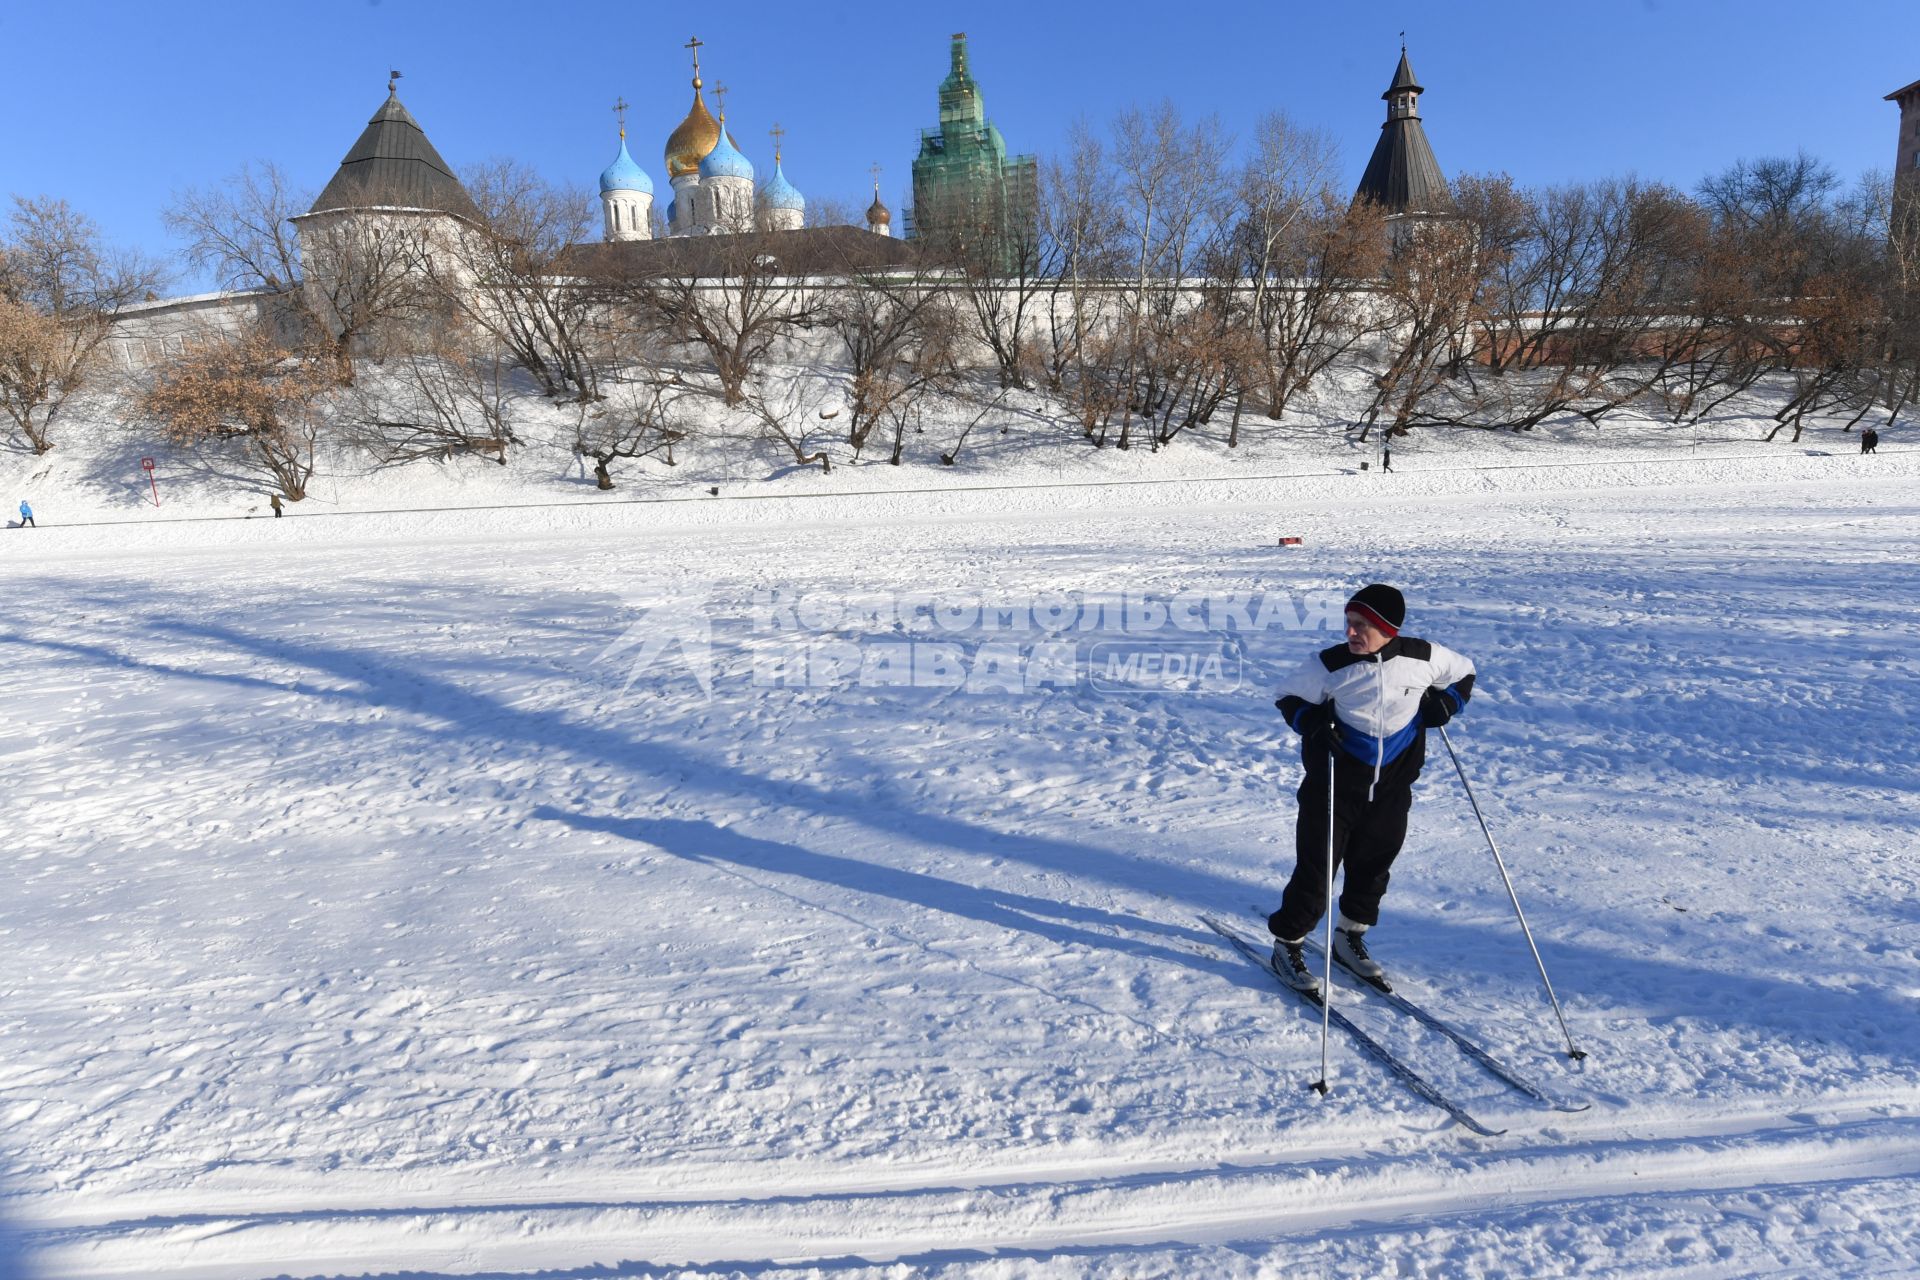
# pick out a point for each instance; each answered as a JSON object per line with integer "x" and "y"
{"x": 1869, "y": 441}
{"x": 273, "y": 500}
{"x": 1386, "y": 456}
{"x": 26, "y": 515}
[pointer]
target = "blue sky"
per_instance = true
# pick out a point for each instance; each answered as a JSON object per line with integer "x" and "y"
{"x": 118, "y": 104}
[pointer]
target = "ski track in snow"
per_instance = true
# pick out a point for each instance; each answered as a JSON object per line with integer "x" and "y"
{"x": 361, "y": 923}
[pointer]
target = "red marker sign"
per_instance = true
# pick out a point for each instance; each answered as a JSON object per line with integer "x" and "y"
{"x": 146, "y": 465}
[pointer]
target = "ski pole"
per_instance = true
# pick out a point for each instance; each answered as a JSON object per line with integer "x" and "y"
{"x": 1572, "y": 1052}
{"x": 1326, "y": 994}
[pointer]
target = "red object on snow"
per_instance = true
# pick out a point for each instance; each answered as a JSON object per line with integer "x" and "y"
{"x": 1289, "y": 542}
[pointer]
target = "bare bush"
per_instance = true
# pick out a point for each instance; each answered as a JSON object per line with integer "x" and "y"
{"x": 252, "y": 391}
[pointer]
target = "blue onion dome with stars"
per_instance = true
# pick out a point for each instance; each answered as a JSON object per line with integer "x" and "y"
{"x": 781, "y": 194}
{"x": 725, "y": 160}
{"x": 624, "y": 175}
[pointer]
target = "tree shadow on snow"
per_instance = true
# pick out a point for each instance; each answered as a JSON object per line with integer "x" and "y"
{"x": 1058, "y": 922}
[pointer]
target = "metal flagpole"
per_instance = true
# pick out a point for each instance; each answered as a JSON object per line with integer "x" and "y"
{"x": 1572, "y": 1052}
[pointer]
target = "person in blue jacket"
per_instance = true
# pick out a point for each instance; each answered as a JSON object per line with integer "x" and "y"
{"x": 26, "y": 515}
{"x": 1362, "y": 710}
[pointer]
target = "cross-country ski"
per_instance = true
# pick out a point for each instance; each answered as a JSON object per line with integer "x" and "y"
{"x": 1467, "y": 1044}
{"x": 1395, "y": 1065}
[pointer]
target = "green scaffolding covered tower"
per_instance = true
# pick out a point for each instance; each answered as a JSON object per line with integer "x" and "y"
{"x": 970, "y": 198}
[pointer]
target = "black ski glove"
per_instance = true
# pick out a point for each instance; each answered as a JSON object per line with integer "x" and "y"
{"x": 1313, "y": 722}
{"x": 1436, "y": 708}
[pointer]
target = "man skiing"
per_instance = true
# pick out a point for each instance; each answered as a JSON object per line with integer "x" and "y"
{"x": 1362, "y": 710}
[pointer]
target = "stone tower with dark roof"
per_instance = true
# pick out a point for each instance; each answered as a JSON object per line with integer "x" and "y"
{"x": 392, "y": 216}
{"x": 1403, "y": 177}
{"x": 394, "y": 166}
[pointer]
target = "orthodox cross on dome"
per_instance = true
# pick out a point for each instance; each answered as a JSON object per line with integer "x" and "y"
{"x": 778, "y": 135}
{"x": 620, "y": 109}
{"x": 720, "y": 97}
{"x": 393, "y": 79}
{"x": 875, "y": 171}
{"x": 694, "y": 44}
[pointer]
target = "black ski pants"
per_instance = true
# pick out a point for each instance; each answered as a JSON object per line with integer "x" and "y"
{"x": 1367, "y": 835}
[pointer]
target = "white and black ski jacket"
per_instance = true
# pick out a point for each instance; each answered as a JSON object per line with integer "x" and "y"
{"x": 1382, "y": 700}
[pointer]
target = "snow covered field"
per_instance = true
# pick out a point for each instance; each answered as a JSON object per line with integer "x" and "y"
{"x": 362, "y": 919}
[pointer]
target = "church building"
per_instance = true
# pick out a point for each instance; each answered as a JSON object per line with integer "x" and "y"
{"x": 712, "y": 182}
{"x": 967, "y": 192}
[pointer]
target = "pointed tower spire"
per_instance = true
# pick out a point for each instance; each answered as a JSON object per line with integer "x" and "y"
{"x": 1402, "y": 176}
{"x": 392, "y": 165}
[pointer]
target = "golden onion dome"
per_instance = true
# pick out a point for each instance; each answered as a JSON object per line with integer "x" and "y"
{"x": 688, "y": 145}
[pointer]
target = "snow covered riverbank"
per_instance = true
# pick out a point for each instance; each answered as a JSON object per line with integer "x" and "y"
{"x": 366, "y": 921}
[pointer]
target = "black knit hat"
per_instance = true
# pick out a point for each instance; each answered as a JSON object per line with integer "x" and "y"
{"x": 1381, "y": 605}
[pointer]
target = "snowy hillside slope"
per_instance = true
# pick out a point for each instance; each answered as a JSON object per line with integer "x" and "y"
{"x": 363, "y": 918}
{"x": 94, "y": 475}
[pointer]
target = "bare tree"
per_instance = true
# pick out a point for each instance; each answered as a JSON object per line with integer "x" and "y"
{"x": 1170, "y": 180}
{"x": 507, "y": 275}
{"x": 61, "y": 290}
{"x": 250, "y": 390}
{"x": 1432, "y": 278}
{"x": 1080, "y": 222}
{"x": 791, "y": 411}
{"x": 1284, "y": 186}
{"x": 726, "y": 298}
{"x": 369, "y": 278}
{"x": 638, "y": 414}
{"x": 240, "y": 230}
{"x": 1328, "y": 271}
{"x": 1841, "y": 318}
{"x": 1900, "y": 361}
{"x": 1573, "y": 281}
{"x": 1774, "y": 197}
{"x": 445, "y": 397}
{"x": 636, "y": 417}
{"x": 826, "y": 211}
{"x": 898, "y": 329}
